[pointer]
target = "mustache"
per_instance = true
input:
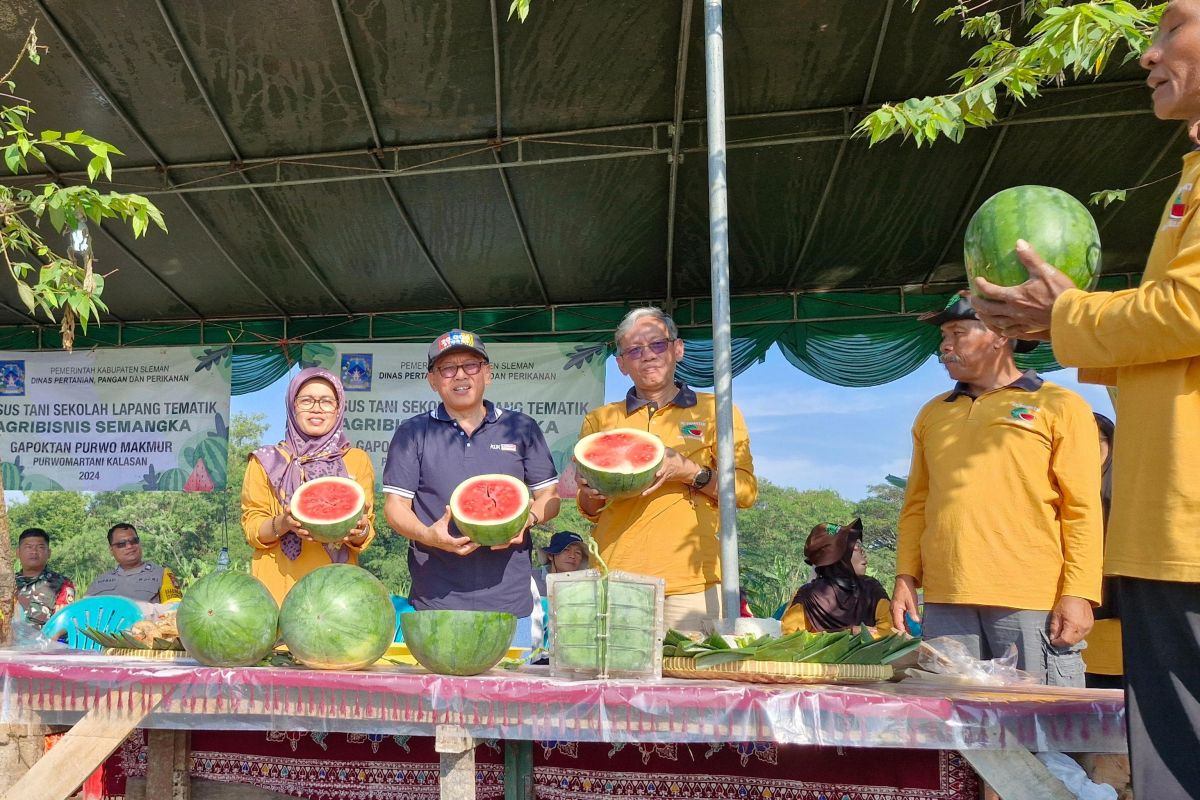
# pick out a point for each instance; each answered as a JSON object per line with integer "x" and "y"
{"x": 948, "y": 358}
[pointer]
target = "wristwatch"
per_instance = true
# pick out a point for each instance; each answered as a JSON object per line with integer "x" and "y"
{"x": 702, "y": 478}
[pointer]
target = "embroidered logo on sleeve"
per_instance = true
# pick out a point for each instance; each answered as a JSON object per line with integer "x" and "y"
{"x": 1179, "y": 207}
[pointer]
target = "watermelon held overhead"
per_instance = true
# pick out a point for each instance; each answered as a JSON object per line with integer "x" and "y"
{"x": 458, "y": 642}
{"x": 1058, "y": 226}
{"x": 338, "y": 617}
{"x": 490, "y": 509}
{"x": 228, "y": 619}
{"x": 328, "y": 508}
{"x": 620, "y": 462}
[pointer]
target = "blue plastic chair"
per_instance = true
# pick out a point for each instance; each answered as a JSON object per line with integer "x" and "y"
{"x": 105, "y": 614}
{"x": 402, "y": 606}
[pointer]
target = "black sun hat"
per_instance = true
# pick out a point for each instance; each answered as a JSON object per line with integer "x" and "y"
{"x": 960, "y": 308}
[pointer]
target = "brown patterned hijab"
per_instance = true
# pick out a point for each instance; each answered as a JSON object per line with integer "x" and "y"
{"x": 836, "y": 598}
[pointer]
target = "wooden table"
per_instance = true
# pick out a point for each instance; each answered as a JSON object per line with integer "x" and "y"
{"x": 105, "y": 698}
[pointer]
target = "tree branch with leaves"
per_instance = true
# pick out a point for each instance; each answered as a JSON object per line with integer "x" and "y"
{"x": 63, "y": 287}
{"x": 1026, "y": 46}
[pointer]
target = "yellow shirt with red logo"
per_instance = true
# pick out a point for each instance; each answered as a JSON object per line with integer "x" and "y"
{"x": 1003, "y": 499}
{"x": 672, "y": 534}
{"x": 1146, "y": 342}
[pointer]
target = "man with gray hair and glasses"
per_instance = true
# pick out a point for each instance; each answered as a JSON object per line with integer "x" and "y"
{"x": 669, "y": 530}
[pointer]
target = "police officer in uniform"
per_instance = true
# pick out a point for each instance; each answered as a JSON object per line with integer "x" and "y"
{"x": 133, "y": 577}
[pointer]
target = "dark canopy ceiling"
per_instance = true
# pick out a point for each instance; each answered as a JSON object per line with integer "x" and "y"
{"x": 358, "y": 157}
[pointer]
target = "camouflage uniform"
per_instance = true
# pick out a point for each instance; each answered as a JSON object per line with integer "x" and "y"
{"x": 44, "y": 594}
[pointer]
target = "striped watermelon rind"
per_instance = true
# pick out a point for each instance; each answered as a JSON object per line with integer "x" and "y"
{"x": 488, "y": 531}
{"x": 338, "y": 616}
{"x": 1058, "y": 226}
{"x": 228, "y": 619}
{"x": 624, "y": 481}
{"x": 325, "y": 526}
{"x": 458, "y": 642}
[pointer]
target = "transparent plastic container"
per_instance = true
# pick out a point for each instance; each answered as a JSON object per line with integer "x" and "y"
{"x": 605, "y": 626}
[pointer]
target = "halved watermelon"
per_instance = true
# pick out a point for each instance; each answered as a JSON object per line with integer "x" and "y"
{"x": 458, "y": 642}
{"x": 329, "y": 507}
{"x": 490, "y": 509}
{"x": 620, "y": 462}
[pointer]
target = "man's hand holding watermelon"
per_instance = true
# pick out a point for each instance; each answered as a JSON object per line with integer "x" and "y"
{"x": 1022, "y": 311}
{"x": 438, "y": 535}
{"x": 680, "y": 470}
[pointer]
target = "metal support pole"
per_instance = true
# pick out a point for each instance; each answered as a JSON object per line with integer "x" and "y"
{"x": 718, "y": 233}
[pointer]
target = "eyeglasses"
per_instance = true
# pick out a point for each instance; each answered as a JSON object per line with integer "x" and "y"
{"x": 658, "y": 348}
{"x": 121, "y": 545}
{"x": 450, "y": 370}
{"x": 307, "y": 403}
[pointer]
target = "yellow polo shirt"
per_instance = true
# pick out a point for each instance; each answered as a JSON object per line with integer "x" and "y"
{"x": 1146, "y": 342}
{"x": 260, "y": 501}
{"x": 1003, "y": 499}
{"x": 671, "y": 534}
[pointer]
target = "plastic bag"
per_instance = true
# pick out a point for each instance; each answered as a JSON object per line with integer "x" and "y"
{"x": 948, "y": 656}
{"x": 1073, "y": 776}
{"x": 28, "y": 637}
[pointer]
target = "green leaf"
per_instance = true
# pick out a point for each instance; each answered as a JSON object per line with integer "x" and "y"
{"x": 58, "y": 219}
{"x": 12, "y": 159}
{"x": 96, "y": 166}
{"x": 1107, "y": 197}
{"x": 26, "y": 295}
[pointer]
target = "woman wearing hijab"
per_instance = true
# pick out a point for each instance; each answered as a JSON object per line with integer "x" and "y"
{"x": 315, "y": 446}
{"x": 840, "y": 595}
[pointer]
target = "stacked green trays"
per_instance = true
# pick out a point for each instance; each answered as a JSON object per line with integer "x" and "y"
{"x": 605, "y": 627}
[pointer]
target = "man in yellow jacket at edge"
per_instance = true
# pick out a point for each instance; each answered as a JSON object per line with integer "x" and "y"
{"x": 1146, "y": 342}
{"x": 1002, "y": 522}
{"x": 670, "y": 530}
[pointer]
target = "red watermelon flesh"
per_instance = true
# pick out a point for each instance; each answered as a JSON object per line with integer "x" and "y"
{"x": 621, "y": 462}
{"x": 490, "y": 509}
{"x": 489, "y": 501}
{"x": 328, "y": 508}
{"x": 199, "y": 480}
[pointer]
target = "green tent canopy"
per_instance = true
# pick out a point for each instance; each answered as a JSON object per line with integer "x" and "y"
{"x": 363, "y": 171}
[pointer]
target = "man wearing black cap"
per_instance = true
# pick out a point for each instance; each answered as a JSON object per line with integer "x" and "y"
{"x": 430, "y": 454}
{"x": 1002, "y": 523}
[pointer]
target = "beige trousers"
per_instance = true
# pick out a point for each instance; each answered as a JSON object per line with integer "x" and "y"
{"x": 687, "y": 612}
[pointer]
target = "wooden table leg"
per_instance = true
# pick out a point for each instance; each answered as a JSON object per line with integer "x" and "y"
{"x": 457, "y": 748}
{"x": 1016, "y": 775}
{"x": 60, "y": 772}
{"x": 168, "y": 756}
{"x": 518, "y": 770}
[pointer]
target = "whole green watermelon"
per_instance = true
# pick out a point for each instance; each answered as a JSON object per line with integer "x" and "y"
{"x": 1058, "y": 226}
{"x": 338, "y": 617}
{"x": 228, "y": 619}
{"x": 458, "y": 642}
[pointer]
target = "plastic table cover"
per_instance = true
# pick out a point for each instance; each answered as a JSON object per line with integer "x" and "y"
{"x": 529, "y": 705}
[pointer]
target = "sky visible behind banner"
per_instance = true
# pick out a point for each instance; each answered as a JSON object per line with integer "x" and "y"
{"x": 804, "y": 433}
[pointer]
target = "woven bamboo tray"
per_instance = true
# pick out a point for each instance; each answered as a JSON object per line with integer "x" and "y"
{"x": 778, "y": 672}
{"x": 156, "y": 655}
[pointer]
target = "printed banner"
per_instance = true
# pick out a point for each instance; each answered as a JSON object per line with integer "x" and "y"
{"x": 123, "y": 419}
{"x": 556, "y": 383}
